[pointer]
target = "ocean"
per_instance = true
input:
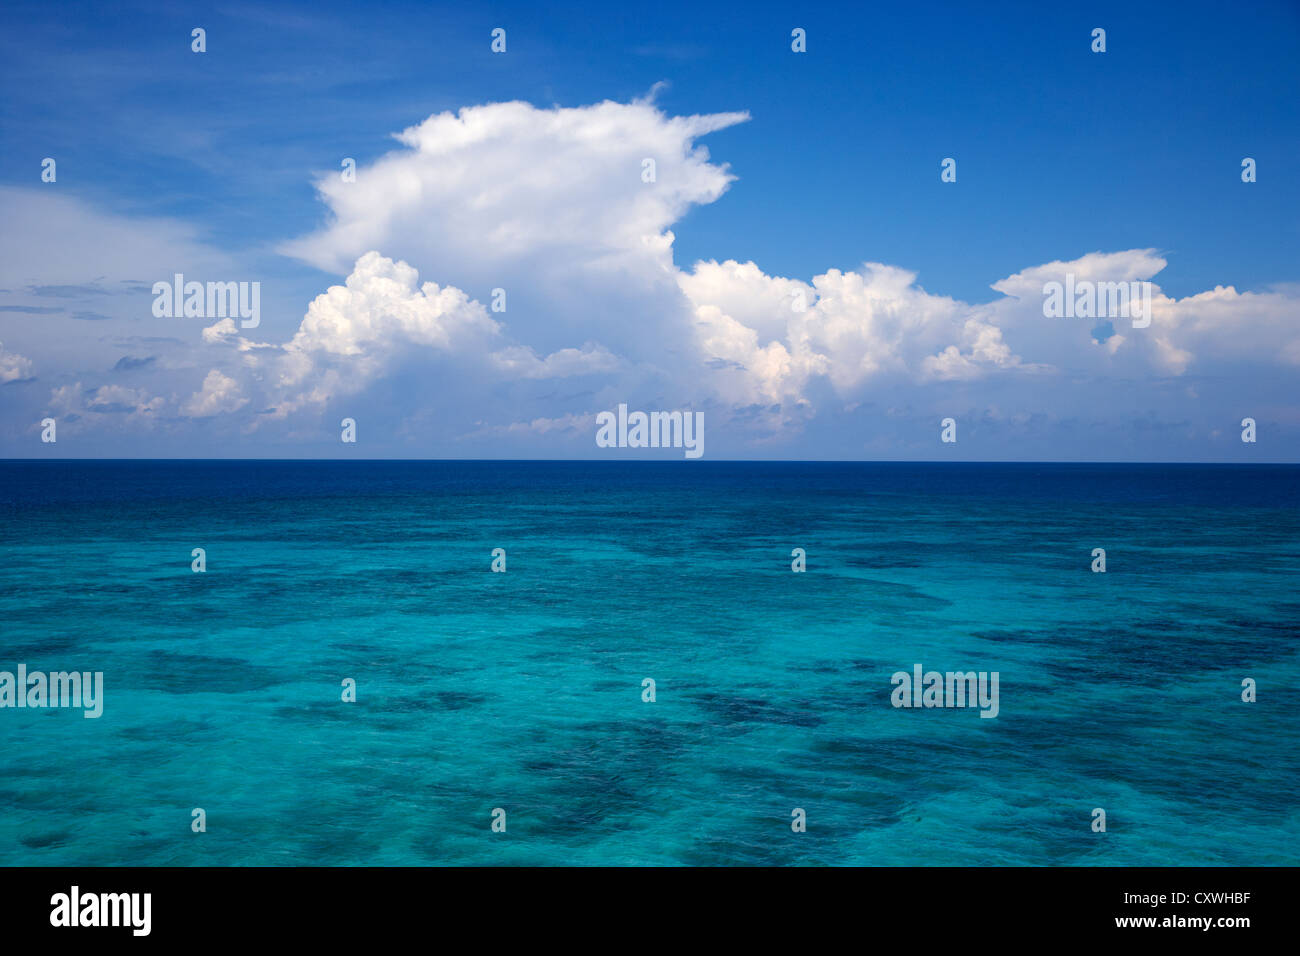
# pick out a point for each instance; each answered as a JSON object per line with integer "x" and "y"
{"x": 523, "y": 692}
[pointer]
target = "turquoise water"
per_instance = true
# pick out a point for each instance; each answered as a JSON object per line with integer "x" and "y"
{"x": 522, "y": 690}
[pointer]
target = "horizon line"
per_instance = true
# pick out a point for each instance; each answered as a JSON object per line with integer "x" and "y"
{"x": 682, "y": 461}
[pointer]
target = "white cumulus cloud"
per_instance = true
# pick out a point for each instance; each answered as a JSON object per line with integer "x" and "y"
{"x": 220, "y": 393}
{"x": 13, "y": 367}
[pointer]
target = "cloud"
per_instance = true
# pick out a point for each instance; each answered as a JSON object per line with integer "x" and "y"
{"x": 876, "y": 326}
{"x": 78, "y": 281}
{"x": 507, "y": 181}
{"x": 522, "y": 362}
{"x": 771, "y": 336}
{"x": 546, "y": 214}
{"x": 380, "y": 320}
{"x": 13, "y": 367}
{"x": 220, "y": 393}
{"x": 381, "y": 303}
{"x": 541, "y": 427}
{"x": 31, "y": 309}
{"x": 550, "y": 207}
{"x": 355, "y": 332}
{"x": 88, "y": 408}
{"x": 128, "y": 363}
{"x": 220, "y": 332}
{"x": 59, "y": 246}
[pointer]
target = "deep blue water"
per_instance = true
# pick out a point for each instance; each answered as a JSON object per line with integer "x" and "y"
{"x": 523, "y": 690}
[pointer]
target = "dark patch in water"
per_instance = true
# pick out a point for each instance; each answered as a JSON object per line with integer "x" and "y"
{"x": 460, "y": 700}
{"x": 41, "y": 841}
{"x": 176, "y": 673}
{"x": 739, "y": 710}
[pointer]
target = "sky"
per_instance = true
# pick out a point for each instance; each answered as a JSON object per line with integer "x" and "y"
{"x": 502, "y": 267}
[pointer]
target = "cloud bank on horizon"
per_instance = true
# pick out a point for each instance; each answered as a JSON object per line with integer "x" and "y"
{"x": 507, "y": 273}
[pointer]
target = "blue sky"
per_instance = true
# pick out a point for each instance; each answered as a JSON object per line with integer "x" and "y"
{"x": 1133, "y": 153}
